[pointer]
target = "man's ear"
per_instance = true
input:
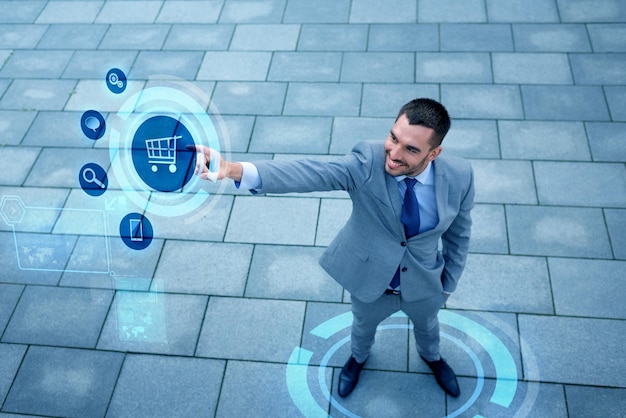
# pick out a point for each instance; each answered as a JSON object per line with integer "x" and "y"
{"x": 434, "y": 153}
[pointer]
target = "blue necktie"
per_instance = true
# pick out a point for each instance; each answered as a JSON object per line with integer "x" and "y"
{"x": 410, "y": 218}
{"x": 410, "y": 210}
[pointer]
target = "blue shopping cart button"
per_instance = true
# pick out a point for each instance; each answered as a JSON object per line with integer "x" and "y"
{"x": 160, "y": 155}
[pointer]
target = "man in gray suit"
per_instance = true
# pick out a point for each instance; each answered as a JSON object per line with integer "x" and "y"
{"x": 407, "y": 198}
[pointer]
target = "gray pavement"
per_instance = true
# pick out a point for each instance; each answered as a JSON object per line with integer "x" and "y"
{"x": 225, "y": 312}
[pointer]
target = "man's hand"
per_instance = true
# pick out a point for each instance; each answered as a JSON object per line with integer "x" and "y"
{"x": 222, "y": 168}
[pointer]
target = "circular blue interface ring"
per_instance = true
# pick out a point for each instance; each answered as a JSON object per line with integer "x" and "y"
{"x": 506, "y": 370}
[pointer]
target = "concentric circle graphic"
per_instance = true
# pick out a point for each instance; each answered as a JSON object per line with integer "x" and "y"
{"x": 147, "y": 147}
{"x": 503, "y": 393}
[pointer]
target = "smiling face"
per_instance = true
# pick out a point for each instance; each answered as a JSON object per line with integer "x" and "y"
{"x": 408, "y": 148}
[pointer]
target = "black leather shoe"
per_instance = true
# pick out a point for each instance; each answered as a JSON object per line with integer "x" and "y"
{"x": 445, "y": 376}
{"x": 349, "y": 376}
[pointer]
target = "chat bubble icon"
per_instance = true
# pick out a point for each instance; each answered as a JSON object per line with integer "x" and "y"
{"x": 92, "y": 124}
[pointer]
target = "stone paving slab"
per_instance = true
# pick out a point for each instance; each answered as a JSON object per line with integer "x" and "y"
{"x": 21, "y": 36}
{"x": 37, "y": 94}
{"x": 561, "y": 184}
{"x": 323, "y": 99}
{"x": 472, "y": 101}
{"x": 588, "y": 401}
{"x": 226, "y": 312}
{"x": 152, "y": 322}
{"x": 539, "y": 11}
{"x": 396, "y": 393}
{"x": 489, "y": 233}
{"x": 544, "y": 68}
{"x": 14, "y": 124}
{"x": 12, "y": 355}
{"x": 9, "y": 297}
{"x": 394, "y": 11}
{"x": 474, "y": 139}
{"x": 64, "y": 382}
{"x": 219, "y": 271}
{"x": 270, "y": 394}
{"x": 563, "y": 335}
{"x": 198, "y": 37}
{"x": 451, "y": 11}
{"x": 454, "y": 67}
{"x": 501, "y": 283}
{"x": 564, "y": 103}
{"x": 499, "y": 181}
{"x": 470, "y": 37}
{"x": 558, "y": 231}
{"x": 582, "y": 11}
{"x": 551, "y": 38}
{"x": 232, "y": 323}
{"x": 305, "y": 66}
{"x": 160, "y": 386}
{"x": 35, "y": 64}
{"x": 572, "y": 281}
{"x": 272, "y": 219}
{"x": 335, "y": 37}
{"x": 234, "y": 65}
{"x": 604, "y": 141}
{"x": 58, "y": 317}
{"x": 288, "y": 272}
{"x": 376, "y": 98}
{"x": 392, "y": 37}
{"x": 526, "y": 140}
{"x": 22, "y": 12}
{"x": 617, "y": 227}
{"x": 72, "y": 37}
{"x": 547, "y": 400}
{"x": 309, "y": 135}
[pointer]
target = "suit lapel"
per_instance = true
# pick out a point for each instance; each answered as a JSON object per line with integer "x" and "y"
{"x": 394, "y": 195}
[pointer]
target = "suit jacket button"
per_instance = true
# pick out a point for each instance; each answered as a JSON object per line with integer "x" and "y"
{"x": 404, "y": 269}
{"x": 403, "y": 243}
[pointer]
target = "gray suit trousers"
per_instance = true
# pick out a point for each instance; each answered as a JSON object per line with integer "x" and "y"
{"x": 423, "y": 314}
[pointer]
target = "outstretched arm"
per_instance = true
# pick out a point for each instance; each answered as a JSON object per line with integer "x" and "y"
{"x": 299, "y": 176}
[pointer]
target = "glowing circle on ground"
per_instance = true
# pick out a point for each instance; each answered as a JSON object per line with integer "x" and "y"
{"x": 506, "y": 370}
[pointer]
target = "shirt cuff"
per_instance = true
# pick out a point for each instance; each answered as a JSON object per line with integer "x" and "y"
{"x": 250, "y": 178}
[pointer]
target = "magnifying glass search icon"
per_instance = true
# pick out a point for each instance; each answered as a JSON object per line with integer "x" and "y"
{"x": 92, "y": 177}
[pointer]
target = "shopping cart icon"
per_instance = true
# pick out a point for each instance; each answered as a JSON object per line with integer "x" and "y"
{"x": 162, "y": 151}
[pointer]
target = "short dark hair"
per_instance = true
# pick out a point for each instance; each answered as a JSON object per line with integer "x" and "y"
{"x": 429, "y": 113}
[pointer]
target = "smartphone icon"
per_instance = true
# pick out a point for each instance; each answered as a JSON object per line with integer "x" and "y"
{"x": 136, "y": 230}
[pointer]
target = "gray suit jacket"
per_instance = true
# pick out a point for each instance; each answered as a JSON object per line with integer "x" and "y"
{"x": 365, "y": 254}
